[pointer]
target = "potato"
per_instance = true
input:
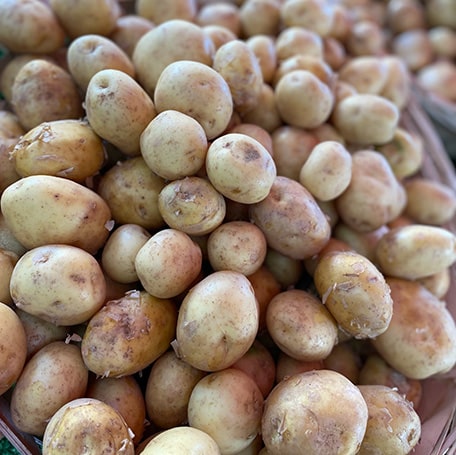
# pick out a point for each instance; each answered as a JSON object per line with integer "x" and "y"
{"x": 61, "y": 284}
{"x": 416, "y": 251}
{"x": 218, "y": 34}
{"x": 227, "y": 405}
{"x": 443, "y": 41}
{"x": 327, "y": 171}
{"x": 405, "y": 15}
{"x": 300, "y": 325}
{"x": 119, "y": 252}
{"x": 263, "y": 47}
{"x": 88, "y": 54}
{"x": 334, "y": 53}
{"x": 420, "y": 341}
{"x": 174, "y": 145}
{"x": 366, "y": 119}
{"x": 43, "y": 92}
{"x": 240, "y": 168}
{"x": 168, "y": 42}
{"x": 286, "y": 270}
{"x": 217, "y": 322}
{"x": 374, "y": 196}
{"x": 182, "y": 440}
{"x": 159, "y": 12}
{"x": 131, "y": 190}
{"x": 8, "y": 174}
{"x": 305, "y": 112}
{"x": 441, "y": 12}
{"x": 8, "y": 260}
{"x": 135, "y": 330}
{"x": 260, "y": 17}
{"x": 345, "y": 360}
{"x": 300, "y": 416}
{"x": 44, "y": 209}
{"x": 54, "y": 376}
{"x": 10, "y": 128}
{"x": 29, "y": 26}
{"x": 439, "y": 283}
{"x": 291, "y": 220}
{"x": 398, "y": 83}
{"x": 168, "y": 263}
{"x": 118, "y": 109}
{"x": 393, "y": 426}
{"x": 366, "y": 37}
{"x": 192, "y": 205}
{"x": 64, "y": 148}
{"x": 224, "y": 14}
{"x": 414, "y": 48}
{"x": 355, "y": 293}
{"x": 86, "y": 16}
{"x": 125, "y": 396}
{"x": 439, "y": 78}
{"x": 70, "y": 429}
{"x": 13, "y": 347}
{"x": 238, "y": 65}
{"x": 256, "y": 132}
{"x": 7, "y": 240}
{"x": 287, "y": 366}
{"x": 366, "y": 74}
{"x": 181, "y": 87}
{"x": 168, "y": 388}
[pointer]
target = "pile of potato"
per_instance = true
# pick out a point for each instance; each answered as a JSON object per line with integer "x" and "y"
{"x": 214, "y": 235}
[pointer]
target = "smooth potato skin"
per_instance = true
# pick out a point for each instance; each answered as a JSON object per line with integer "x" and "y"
{"x": 45, "y": 209}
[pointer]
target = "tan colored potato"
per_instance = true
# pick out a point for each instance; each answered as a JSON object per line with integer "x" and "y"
{"x": 168, "y": 42}
{"x": 168, "y": 388}
{"x": 439, "y": 283}
{"x": 366, "y": 37}
{"x": 88, "y": 54}
{"x": 131, "y": 190}
{"x": 441, "y": 12}
{"x": 398, "y": 83}
{"x": 86, "y": 16}
{"x": 227, "y": 405}
{"x": 29, "y": 26}
{"x": 355, "y": 293}
{"x": 44, "y": 209}
{"x": 300, "y": 415}
{"x": 374, "y": 196}
{"x": 286, "y": 270}
{"x": 414, "y": 48}
{"x": 13, "y": 347}
{"x": 62, "y": 100}
{"x": 345, "y": 360}
{"x": 300, "y": 325}
{"x": 255, "y": 131}
{"x": 393, "y": 426}
{"x": 224, "y": 14}
{"x": 291, "y": 220}
{"x": 168, "y": 263}
{"x": 10, "y": 128}
{"x": 64, "y": 148}
{"x": 70, "y": 429}
{"x": 240, "y": 168}
{"x": 327, "y": 171}
{"x": 8, "y": 260}
{"x": 334, "y": 53}
{"x": 263, "y": 46}
{"x": 8, "y": 174}
{"x": 443, "y": 41}
{"x": 125, "y": 396}
{"x": 295, "y": 40}
{"x": 7, "y": 240}
{"x": 54, "y": 376}
{"x": 174, "y": 145}
{"x": 405, "y": 15}
{"x": 217, "y": 322}
{"x": 192, "y": 205}
{"x": 159, "y": 12}
{"x": 287, "y": 366}
{"x": 119, "y": 252}
{"x": 61, "y": 284}
{"x": 305, "y": 112}
{"x": 118, "y": 109}
{"x": 260, "y": 17}
{"x": 365, "y": 73}
{"x": 218, "y": 34}
{"x": 420, "y": 341}
{"x": 181, "y": 87}
{"x": 128, "y": 334}
{"x": 439, "y": 78}
{"x": 416, "y": 251}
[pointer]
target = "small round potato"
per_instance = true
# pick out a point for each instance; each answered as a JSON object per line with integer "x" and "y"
{"x": 293, "y": 41}
{"x": 260, "y": 17}
{"x": 355, "y": 293}
{"x": 287, "y": 366}
{"x": 414, "y": 48}
{"x": 88, "y": 54}
{"x": 61, "y": 284}
{"x": 158, "y": 12}
{"x": 174, "y": 145}
{"x": 64, "y": 148}
{"x": 8, "y": 174}
{"x": 8, "y": 260}
{"x": 168, "y": 263}
{"x": 54, "y": 376}
{"x": 220, "y": 13}
{"x": 217, "y": 322}
{"x": 327, "y": 171}
{"x": 240, "y": 168}
{"x": 263, "y": 46}
{"x": 183, "y": 84}
{"x": 118, "y": 109}
{"x": 192, "y": 205}
{"x": 300, "y": 325}
{"x": 286, "y": 270}
{"x": 13, "y": 347}
{"x": 398, "y": 85}
{"x": 301, "y": 415}
{"x": 227, "y": 405}
{"x": 70, "y": 429}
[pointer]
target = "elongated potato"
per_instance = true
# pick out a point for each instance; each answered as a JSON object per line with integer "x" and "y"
{"x": 44, "y": 209}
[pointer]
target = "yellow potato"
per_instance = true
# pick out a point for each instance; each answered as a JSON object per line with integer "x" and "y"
{"x": 64, "y": 148}
{"x": 263, "y": 47}
{"x": 7, "y": 240}
{"x": 8, "y": 260}
{"x": 13, "y": 347}
{"x": 366, "y": 37}
{"x": 223, "y": 14}
{"x": 44, "y": 209}
{"x": 158, "y": 12}
{"x": 398, "y": 83}
{"x": 366, "y": 74}
{"x": 260, "y": 17}
{"x": 118, "y": 109}
{"x": 61, "y": 284}
{"x": 414, "y": 48}
{"x": 8, "y": 174}
{"x": 286, "y": 270}
{"x": 218, "y": 34}
{"x": 10, "y": 128}
{"x": 293, "y": 41}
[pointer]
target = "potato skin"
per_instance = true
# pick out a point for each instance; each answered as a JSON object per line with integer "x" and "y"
{"x": 54, "y": 376}
{"x": 128, "y": 334}
{"x": 45, "y": 209}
